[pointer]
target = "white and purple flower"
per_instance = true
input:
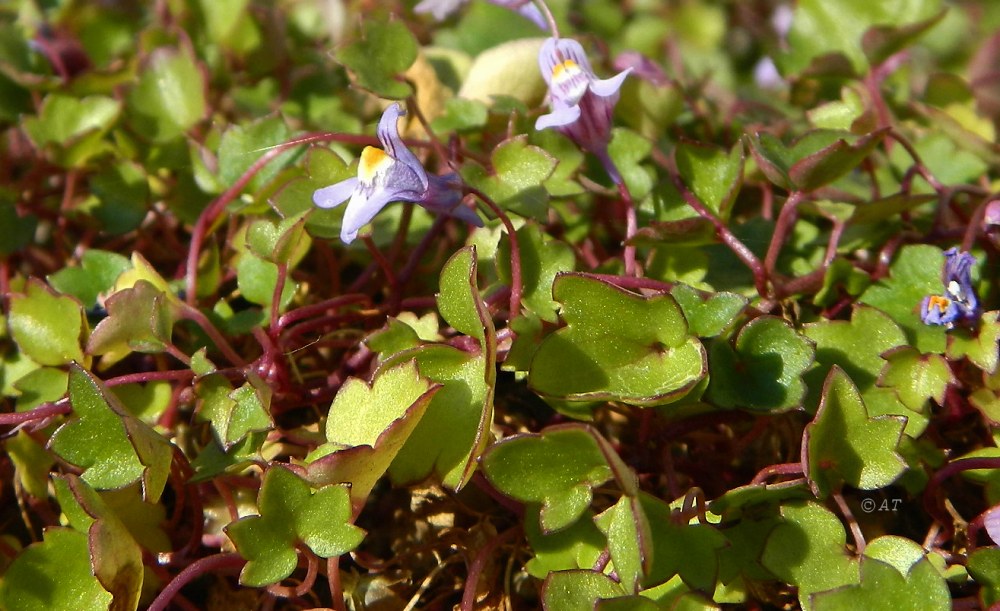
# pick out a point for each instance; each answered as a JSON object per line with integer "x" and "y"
{"x": 442, "y": 8}
{"x": 959, "y": 304}
{"x": 391, "y": 175}
{"x": 582, "y": 104}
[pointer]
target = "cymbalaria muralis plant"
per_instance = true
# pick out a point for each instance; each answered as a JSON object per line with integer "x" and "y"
{"x": 499, "y": 305}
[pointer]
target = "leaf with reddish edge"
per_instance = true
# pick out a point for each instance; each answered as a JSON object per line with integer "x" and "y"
{"x": 234, "y": 413}
{"x": 53, "y": 574}
{"x": 814, "y": 160}
{"x": 140, "y": 318}
{"x": 843, "y": 445}
{"x": 617, "y": 346}
{"x": 578, "y": 590}
{"x": 47, "y": 327}
{"x": 808, "y": 550}
{"x": 762, "y": 368}
{"x": 114, "y": 448}
{"x": 979, "y": 346}
{"x": 916, "y": 377}
{"x": 629, "y": 541}
{"x": 115, "y": 556}
{"x": 367, "y": 426}
{"x": 291, "y": 513}
{"x": 462, "y": 410}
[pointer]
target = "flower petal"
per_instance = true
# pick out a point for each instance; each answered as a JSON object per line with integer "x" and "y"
{"x": 336, "y": 194}
{"x": 388, "y": 135}
{"x": 559, "y": 117}
{"x": 609, "y": 87}
{"x": 361, "y": 210}
{"x": 439, "y": 8}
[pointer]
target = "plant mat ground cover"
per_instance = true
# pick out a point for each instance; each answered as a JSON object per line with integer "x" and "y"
{"x": 499, "y": 304}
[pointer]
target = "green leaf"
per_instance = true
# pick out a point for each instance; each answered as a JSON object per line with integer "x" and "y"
{"x": 16, "y": 230}
{"x": 123, "y": 197}
{"x": 145, "y": 401}
{"x": 558, "y": 468}
{"x": 461, "y": 115}
{"x": 515, "y": 181}
{"x": 856, "y": 347}
{"x": 629, "y": 541}
{"x": 53, "y": 574}
{"x": 213, "y": 460}
{"x": 73, "y": 127}
{"x": 688, "y": 550}
{"x": 541, "y": 260}
{"x": 291, "y": 513}
{"x": 243, "y": 144}
{"x": 234, "y": 413}
{"x": 984, "y": 567}
{"x": 96, "y": 274}
{"x": 283, "y": 242}
{"x": 820, "y": 28}
{"x": 376, "y": 61}
{"x": 140, "y": 318}
{"x": 628, "y": 150}
{"x": 463, "y": 409}
{"x": 367, "y": 426}
{"x": 808, "y": 550}
{"x": 458, "y": 299}
{"x": 914, "y": 274}
{"x": 576, "y": 546}
{"x": 40, "y": 386}
{"x": 116, "y": 558}
{"x": 113, "y": 448}
{"x": 762, "y": 369}
{"x": 710, "y": 314}
{"x": 578, "y": 590}
{"x": 895, "y": 574}
{"x": 980, "y": 347}
{"x": 713, "y": 174}
{"x": 916, "y": 377}
{"x": 460, "y": 412}
{"x": 169, "y": 98}
{"x": 844, "y": 445}
{"x": 47, "y": 327}
{"x": 616, "y": 345}
{"x": 32, "y": 463}
{"x": 257, "y": 278}
{"x": 814, "y": 160}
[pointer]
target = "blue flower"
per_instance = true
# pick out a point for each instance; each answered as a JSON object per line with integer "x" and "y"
{"x": 442, "y": 8}
{"x": 582, "y": 104}
{"x": 959, "y": 304}
{"x": 391, "y": 175}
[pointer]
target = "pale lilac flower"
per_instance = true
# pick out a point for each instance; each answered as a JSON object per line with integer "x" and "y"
{"x": 992, "y": 523}
{"x": 959, "y": 303}
{"x": 582, "y": 104}
{"x": 392, "y": 175}
{"x": 442, "y": 8}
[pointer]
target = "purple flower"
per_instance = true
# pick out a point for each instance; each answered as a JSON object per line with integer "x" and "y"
{"x": 959, "y": 304}
{"x": 581, "y": 103}
{"x": 442, "y": 8}
{"x": 392, "y": 175}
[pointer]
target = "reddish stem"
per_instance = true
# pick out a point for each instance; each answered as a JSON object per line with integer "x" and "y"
{"x": 791, "y": 468}
{"x": 516, "y": 286}
{"x": 931, "y": 501}
{"x": 208, "y": 564}
{"x": 479, "y": 563}
{"x": 46, "y": 410}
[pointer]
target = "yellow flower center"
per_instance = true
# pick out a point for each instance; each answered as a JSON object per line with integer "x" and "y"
{"x": 941, "y": 303}
{"x": 372, "y": 160}
{"x": 565, "y": 70}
